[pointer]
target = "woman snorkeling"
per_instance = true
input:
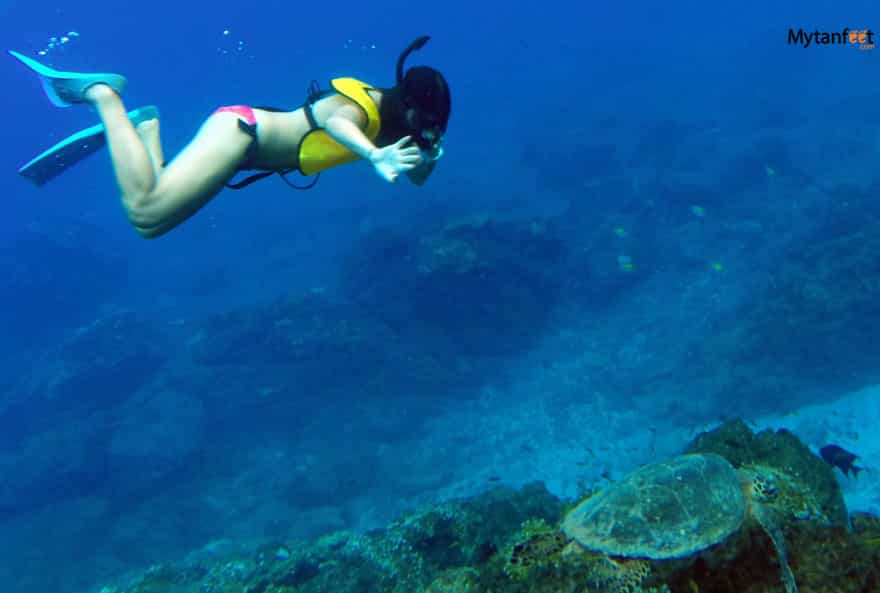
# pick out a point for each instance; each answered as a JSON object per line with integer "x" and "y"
{"x": 398, "y": 130}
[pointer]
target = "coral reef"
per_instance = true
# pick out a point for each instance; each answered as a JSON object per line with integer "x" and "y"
{"x": 511, "y": 541}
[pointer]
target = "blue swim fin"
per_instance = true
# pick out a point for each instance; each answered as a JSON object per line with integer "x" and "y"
{"x": 75, "y": 148}
{"x": 66, "y": 88}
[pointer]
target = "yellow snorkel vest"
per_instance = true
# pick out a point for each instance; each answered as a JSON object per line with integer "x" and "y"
{"x": 318, "y": 151}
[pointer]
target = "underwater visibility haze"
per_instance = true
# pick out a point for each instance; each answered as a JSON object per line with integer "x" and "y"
{"x": 621, "y": 337}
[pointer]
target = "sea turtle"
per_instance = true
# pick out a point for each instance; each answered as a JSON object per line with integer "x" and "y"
{"x": 675, "y": 509}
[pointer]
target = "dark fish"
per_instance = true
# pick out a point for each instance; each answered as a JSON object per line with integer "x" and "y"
{"x": 494, "y": 478}
{"x": 840, "y": 458}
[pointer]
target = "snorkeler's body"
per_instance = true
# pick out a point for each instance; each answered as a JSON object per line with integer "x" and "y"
{"x": 157, "y": 198}
{"x": 397, "y": 130}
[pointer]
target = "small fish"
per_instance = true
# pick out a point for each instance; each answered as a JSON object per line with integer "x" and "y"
{"x": 526, "y": 448}
{"x": 625, "y": 263}
{"x": 840, "y": 458}
{"x": 494, "y": 478}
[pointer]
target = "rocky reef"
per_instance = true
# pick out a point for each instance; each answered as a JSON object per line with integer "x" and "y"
{"x": 425, "y": 318}
{"x": 512, "y": 540}
{"x": 810, "y": 324}
{"x": 477, "y": 287}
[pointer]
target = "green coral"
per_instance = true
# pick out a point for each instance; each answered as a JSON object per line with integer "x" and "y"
{"x": 164, "y": 578}
{"x": 456, "y": 580}
{"x": 538, "y": 546}
{"x": 609, "y": 575}
{"x": 541, "y": 558}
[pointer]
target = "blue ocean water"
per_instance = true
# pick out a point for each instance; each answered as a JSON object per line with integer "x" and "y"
{"x": 648, "y": 217}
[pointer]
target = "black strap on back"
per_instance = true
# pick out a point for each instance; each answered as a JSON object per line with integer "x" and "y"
{"x": 251, "y": 179}
{"x": 313, "y": 93}
{"x": 283, "y": 174}
{"x": 309, "y": 185}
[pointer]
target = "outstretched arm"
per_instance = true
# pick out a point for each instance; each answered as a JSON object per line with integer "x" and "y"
{"x": 344, "y": 126}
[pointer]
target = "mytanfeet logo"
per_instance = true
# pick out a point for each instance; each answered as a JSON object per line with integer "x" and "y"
{"x": 858, "y": 38}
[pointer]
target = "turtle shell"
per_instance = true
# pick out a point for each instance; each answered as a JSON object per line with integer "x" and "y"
{"x": 663, "y": 510}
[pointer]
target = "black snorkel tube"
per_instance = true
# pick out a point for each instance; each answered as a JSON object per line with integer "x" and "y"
{"x": 419, "y": 43}
{"x": 427, "y": 139}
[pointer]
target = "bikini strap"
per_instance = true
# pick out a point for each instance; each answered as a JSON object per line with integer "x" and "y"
{"x": 251, "y": 130}
{"x": 313, "y": 93}
{"x": 249, "y": 155}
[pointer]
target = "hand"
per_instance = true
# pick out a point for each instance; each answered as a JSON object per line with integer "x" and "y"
{"x": 394, "y": 159}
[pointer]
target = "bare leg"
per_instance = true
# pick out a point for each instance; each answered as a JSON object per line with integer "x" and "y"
{"x": 131, "y": 160}
{"x": 157, "y": 199}
{"x": 149, "y": 134}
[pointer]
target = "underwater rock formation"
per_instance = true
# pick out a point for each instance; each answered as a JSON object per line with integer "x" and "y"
{"x": 55, "y": 415}
{"x": 481, "y": 288}
{"x": 93, "y": 367}
{"x": 813, "y": 323}
{"x": 512, "y": 541}
{"x": 42, "y": 285}
{"x": 322, "y": 345}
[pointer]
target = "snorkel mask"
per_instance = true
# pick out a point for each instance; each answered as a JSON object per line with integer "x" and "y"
{"x": 425, "y": 102}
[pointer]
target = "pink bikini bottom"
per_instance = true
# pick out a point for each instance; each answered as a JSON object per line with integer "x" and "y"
{"x": 243, "y": 111}
{"x": 247, "y": 123}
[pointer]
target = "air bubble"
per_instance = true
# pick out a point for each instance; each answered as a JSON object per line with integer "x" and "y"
{"x": 230, "y": 44}
{"x": 57, "y": 43}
